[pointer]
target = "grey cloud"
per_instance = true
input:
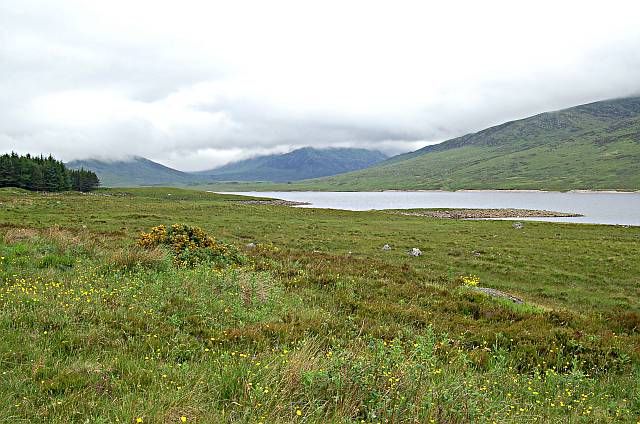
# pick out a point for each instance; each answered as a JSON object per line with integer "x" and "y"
{"x": 76, "y": 92}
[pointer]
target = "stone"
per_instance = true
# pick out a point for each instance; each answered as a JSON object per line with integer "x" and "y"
{"x": 415, "y": 252}
{"x": 251, "y": 245}
{"x": 498, "y": 294}
{"x": 386, "y": 247}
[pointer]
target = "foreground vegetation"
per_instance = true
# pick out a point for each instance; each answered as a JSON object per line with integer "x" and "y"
{"x": 313, "y": 322}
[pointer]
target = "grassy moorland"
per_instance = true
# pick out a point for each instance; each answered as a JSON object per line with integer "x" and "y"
{"x": 319, "y": 324}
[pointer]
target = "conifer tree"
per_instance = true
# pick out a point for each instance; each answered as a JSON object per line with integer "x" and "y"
{"x": 43, "y": 174}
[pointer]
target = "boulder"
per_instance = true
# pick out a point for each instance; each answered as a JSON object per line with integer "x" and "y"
{"x": 498, "y": 294}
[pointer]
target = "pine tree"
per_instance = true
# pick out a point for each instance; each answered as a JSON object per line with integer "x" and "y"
{"x": 46, "y": 174}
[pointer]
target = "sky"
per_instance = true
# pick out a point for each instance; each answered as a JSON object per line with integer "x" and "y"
{"x": 196, "y": 84}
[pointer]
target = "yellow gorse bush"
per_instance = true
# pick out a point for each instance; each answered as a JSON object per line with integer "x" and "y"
{"x": 189, "y": 245}
{"x": 470, "y": 280}
{"x": 178, "y": 237}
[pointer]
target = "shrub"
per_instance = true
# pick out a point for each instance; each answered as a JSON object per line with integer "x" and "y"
{"x": 190, "y": 246}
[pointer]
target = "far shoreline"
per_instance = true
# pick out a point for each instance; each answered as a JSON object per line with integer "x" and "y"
{"x": 578, "y": 191}
{"x": 498, "y": 190}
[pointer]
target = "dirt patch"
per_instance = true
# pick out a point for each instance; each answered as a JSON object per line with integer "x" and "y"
{"x": 15, "y": 235}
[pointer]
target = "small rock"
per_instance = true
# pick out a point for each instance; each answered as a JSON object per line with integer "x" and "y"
{"x": 386, "y": 247}
{"x": 251, "y": 245}
{"x": 415, "y": 252}
{"x": 499, "y": 294}
{"x": 518, "y": 225}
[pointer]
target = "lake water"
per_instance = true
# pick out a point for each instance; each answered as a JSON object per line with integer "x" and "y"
{"x": 597, "y": 207}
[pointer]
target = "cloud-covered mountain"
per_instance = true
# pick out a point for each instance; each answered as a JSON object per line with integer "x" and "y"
{"x": 296, "y": 165}
{"x": 136, "y": 171}
{"x": 592, "y": 146}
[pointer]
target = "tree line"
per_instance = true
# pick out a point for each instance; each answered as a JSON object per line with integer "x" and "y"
{"x": 41, "y": 173}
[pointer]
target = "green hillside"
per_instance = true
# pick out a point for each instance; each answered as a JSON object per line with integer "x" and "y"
{"x": 136, "y": 171}
{"x": 592, "y": 146}
{"x": 296, "y": 165}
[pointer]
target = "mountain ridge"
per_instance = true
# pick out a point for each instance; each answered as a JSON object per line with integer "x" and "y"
{"x": 133, "y": 171}
{"x": 590, "y": 146}
{"x": 594, "y": 146}
{"x": 298, "y": 164}
{"x": 303, "y": 163}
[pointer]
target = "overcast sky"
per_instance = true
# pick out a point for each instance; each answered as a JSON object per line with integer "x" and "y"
{"x": 196, "y": 84}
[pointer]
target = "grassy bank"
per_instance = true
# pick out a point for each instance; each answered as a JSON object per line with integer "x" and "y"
{"x": 319, "y": 324}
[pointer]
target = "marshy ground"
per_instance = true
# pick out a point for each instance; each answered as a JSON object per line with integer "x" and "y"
{"x": 318, "y": 324}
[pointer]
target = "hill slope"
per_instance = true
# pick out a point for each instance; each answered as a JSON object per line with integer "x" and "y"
{"x": 296, "y": 165}
{"x": 592, "y": 146}
{"x": 136, "y": 171}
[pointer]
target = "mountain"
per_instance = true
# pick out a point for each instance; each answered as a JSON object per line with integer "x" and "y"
{"x": 136, "y": 171}
{"x": 299, "y": 164}
{"x": 296, "y": 165}
{"x": 592, "y": 146}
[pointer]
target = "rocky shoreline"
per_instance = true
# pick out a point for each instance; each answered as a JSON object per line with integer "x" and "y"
{"x": 484, "y": 213}
{"x": 271, "y": 202}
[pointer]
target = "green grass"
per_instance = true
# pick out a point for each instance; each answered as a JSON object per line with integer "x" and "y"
{"x": 320, "y": 325}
